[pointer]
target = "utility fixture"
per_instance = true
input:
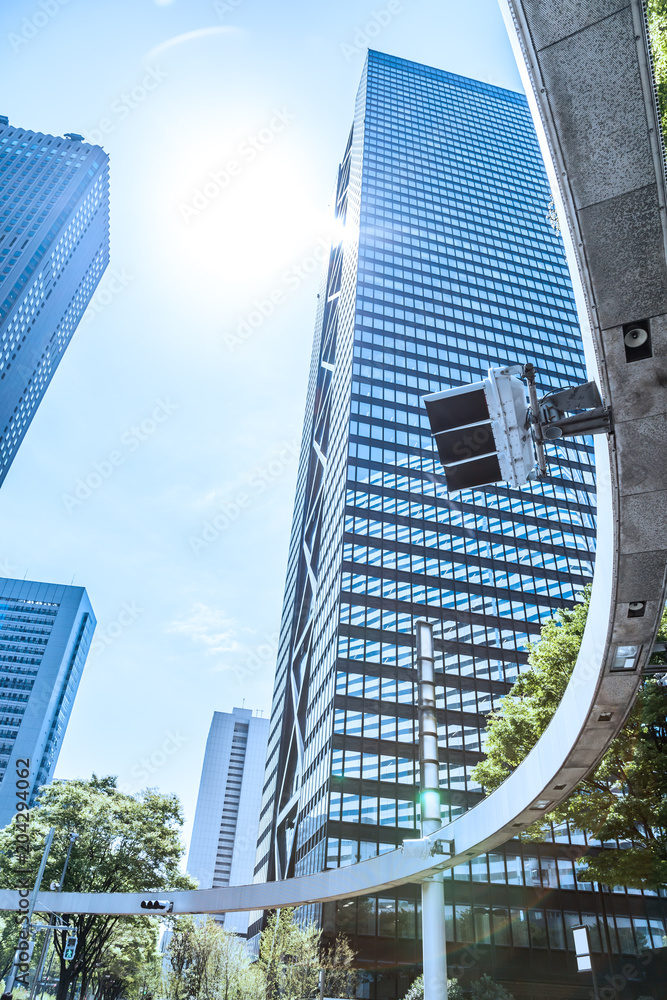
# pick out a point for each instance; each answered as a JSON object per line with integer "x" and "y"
{"x": 494, "y": 431}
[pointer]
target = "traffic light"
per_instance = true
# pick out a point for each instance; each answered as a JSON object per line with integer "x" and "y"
{"x": 482, "y": 431}
{"x": 70, "y": 947}
{"x": 156, "y": 904}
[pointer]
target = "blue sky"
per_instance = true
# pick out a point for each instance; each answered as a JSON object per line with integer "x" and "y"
{"x": 159, "y": 470}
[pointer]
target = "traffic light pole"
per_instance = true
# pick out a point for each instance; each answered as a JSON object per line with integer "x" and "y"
{"x": 25, "y": 946}
{"x": 433, "y": 889}
{"x": 52, "y": 925}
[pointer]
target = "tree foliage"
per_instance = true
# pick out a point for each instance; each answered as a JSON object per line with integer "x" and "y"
{"x": 625, "y": 797}
{"x": 209, "y": 963}
{"x": 657, "y": 21}
{"x": 486, "y": 988}
{"x": 124, "y": 843}
{"x": 416, "y": 991}
{"x": 129, "y": 965}
{"x": 337, "y": 960}
{"x": 9, "y": 936}
{"x": 291, "y": 956}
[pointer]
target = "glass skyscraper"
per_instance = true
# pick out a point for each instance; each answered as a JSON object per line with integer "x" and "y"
{"x": 54, "y": 247}
{"x": 45, "y": 634}
{"x": 445, "y": 264}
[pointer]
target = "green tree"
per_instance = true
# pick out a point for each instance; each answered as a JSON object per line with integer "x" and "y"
{"x": 125, "y": 843}
{"x": 208, "y": 962}
{"x": 486, "y": 988}
{"x": 625, "y": 797}
{"x": 657, "y": 22}
{"x": 129, "y": 965}
{"x": 416, "y": 991}
{"x": 337, "y": 960}
{"x": 9, "y": 936}
{"x": 289, "y": 957}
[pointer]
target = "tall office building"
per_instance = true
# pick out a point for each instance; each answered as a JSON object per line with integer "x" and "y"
{"x": 45, "y": 634}
{"x": 54, "y": 247}
{"x": 446, "y": 265}
{"x": 224, "y": 835}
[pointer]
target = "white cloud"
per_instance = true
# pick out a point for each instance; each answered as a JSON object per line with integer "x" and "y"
{"x": 209, "y": 627}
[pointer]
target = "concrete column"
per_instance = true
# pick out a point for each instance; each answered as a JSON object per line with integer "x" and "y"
{"x": 434, "y": 948}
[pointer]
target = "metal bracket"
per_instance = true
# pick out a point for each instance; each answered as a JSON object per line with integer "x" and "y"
{"x": 440, "y": 848}
{"x": 424, "y": 848}
{"x": 548, "y": 416}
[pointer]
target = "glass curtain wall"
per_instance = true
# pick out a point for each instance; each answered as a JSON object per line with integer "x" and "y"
{"x": 448, "y": 265}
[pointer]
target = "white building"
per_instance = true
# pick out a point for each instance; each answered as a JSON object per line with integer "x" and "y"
{"x": 224, "y": 835}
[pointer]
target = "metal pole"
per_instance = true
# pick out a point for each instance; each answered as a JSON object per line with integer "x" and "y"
{"x": 321, "y": 984}
{"x": 607, "y": 939}
{"x": 434, "y": 946}
{"x": 52, "y": 922}
{"x": 529, "y": 375}
{"x": 25, "y": 933}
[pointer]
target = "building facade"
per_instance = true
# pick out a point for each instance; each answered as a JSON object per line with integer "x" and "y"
{"x": 54, "y": 247}
{"x": 446, "y": 264}
{"x": 224, "y": 835}
{"x": 45, "y": 634}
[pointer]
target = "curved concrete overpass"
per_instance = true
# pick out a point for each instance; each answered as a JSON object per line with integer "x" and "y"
{"x": 588, "y": 78}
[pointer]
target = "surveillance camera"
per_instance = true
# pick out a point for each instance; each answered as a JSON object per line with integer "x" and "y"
{"x": 636, "y": 337}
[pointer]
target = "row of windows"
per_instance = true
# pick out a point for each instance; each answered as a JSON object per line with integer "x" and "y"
{"x": 510, "y": 269}
{"x": 459, "y": 699}
{"x": 433, "y": 561}
{"x": 451, "y": 274}
{"x": 503, "y": 926}
{"x": 374, "y": 727}
{"x": 515, "y": 638}
{"x": 463, "y": 601}
{"x": 374, "y": 811}
{"x": 437, "y": 516}
{"x": 377, "y": 688}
